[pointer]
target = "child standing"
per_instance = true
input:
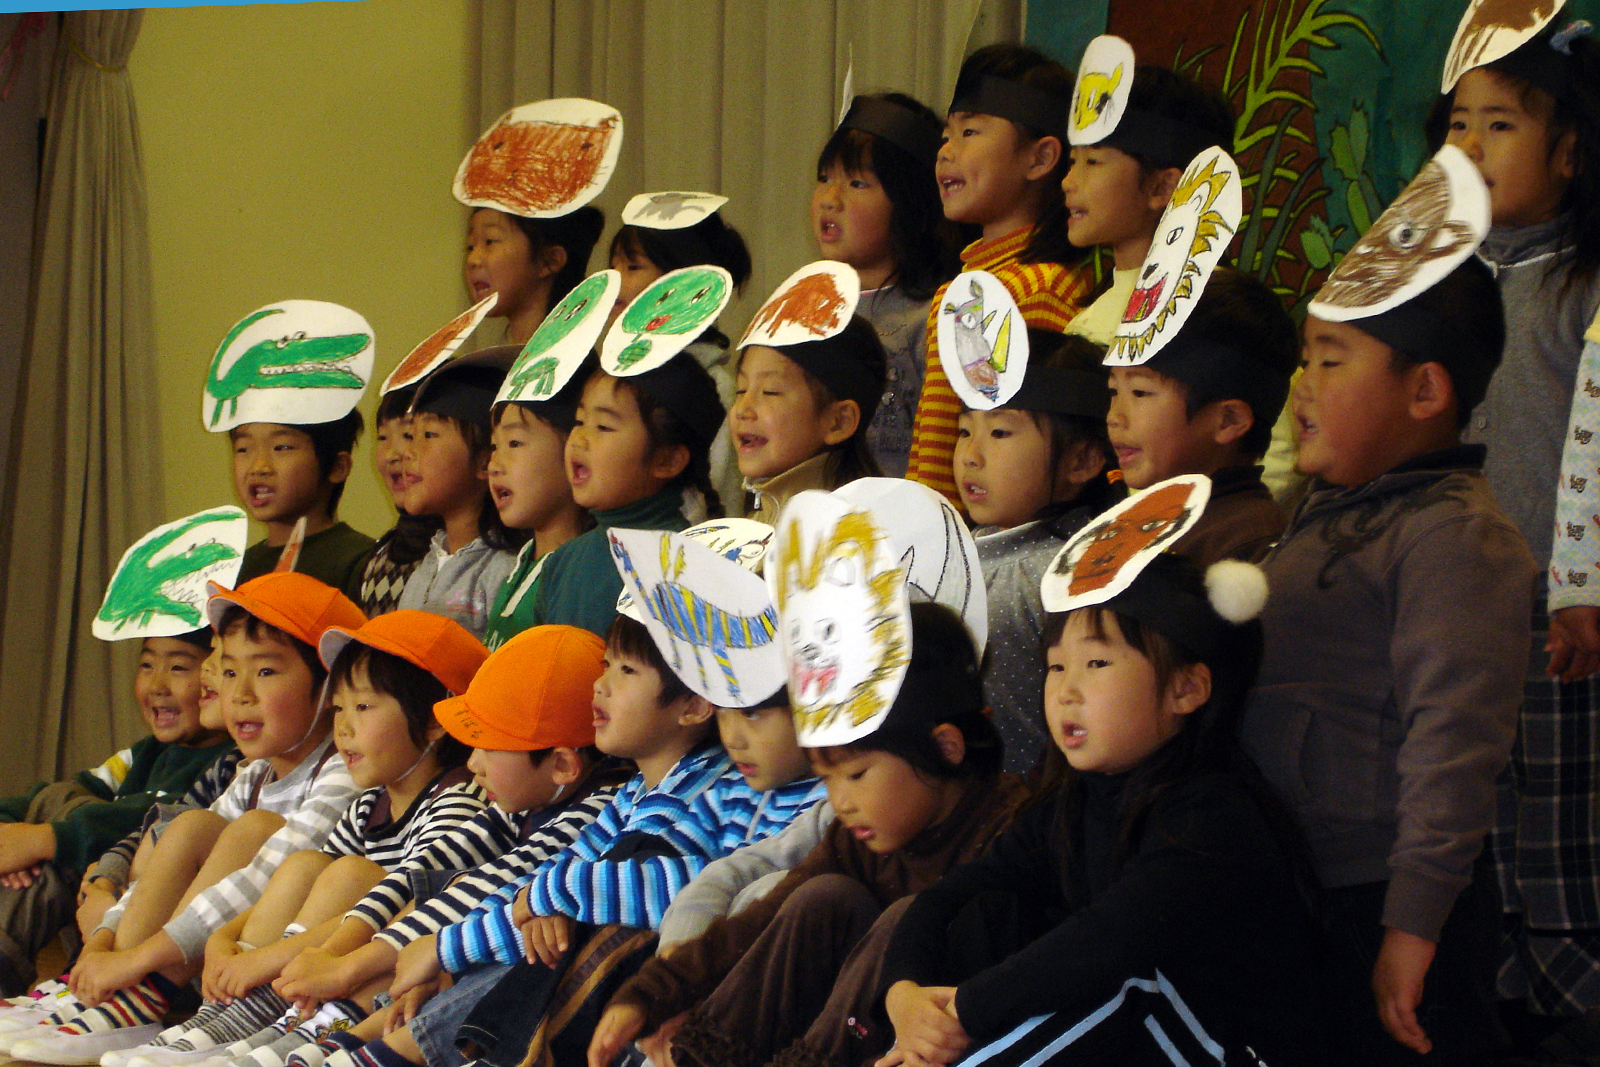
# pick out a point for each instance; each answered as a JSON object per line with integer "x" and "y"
{"x": 528, "y": 263}
{"x": 1001, "y": 168}
{"x": 402, "y": 546}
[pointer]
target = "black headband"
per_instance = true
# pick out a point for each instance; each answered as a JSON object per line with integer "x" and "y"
{"x": 1413, "y": 329}
{"x": 836, "y": 363}
{"x": 1062, "y": 391}
{"x": 917, "y": 134}
{"x": 684, "y": 388}
{"x": 464, "y": 388}
{"x": 942, "y": 692}
{"x": 1159, "y": 601}
{"x": 1158, "y": 140}
{"x": 1225, "y": 372}
{"x": 1035, "y": 108}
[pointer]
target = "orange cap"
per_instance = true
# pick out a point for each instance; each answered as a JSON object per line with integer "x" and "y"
{"x": 534, "y": 692}
{"x": 438, "y": 645}
{"x": 295, "y": 603}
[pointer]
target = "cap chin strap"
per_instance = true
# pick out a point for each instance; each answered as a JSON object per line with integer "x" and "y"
{"x": 403, "y": 775}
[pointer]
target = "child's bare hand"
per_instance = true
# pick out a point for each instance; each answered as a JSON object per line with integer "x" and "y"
{"x": 620, "y": 1024}
{"x": 94, "y": 900}
{"x": 1403, "y": 964}
{"x": 658, "y": 1046}
{"x": 22, "y": 879}
{"x": 314, "y": 973}
{"x": 219, "y": 948}
{"x": 521, "y": 914}
{"x": 407, "y": 1005}
{"x": 97, "y": 975}
{"x": 546, "y": 938}
{"x": 1574, "y": 643}
{"x": 926, "y": 1030}
{"x": 25, "y": 846}
{"x": 241, "y": 972}
{"x": 417, "y": 963}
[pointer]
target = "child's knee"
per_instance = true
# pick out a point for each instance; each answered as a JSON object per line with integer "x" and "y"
{"x": 255, "y": 825}
{"x": 198, "y": 827}
{"x": 307, "y": 864}
{"x": 352, "y": 873}
{"x": 830, "y": 898}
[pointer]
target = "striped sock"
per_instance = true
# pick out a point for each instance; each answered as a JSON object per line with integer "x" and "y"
{"x": 334, "y": 1016}
{"x": 191, "y": 1026}
{"x": 378, "y": 1054}
{"x": 245, "y": 1016}
{"x": 140, "y": 1004}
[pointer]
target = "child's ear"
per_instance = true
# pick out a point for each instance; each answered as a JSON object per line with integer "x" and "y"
{"x": 697, "y": 710}
{"x": 1158, "y": 187}
{"x": 566, "y": 766}
{"x": 952, "y": 743}
{"x": 341, "y": 468}
{"x": 433, "y": 733}
{"x": 1189, "y": 688}
{"x": 840, "y": 420}
{"x": 1043, "y": 155}
{"x": 1564, "y": 156}
{"x": 1432, "y": 392}
{"x": 1082, "y": 464}
{"x": 669, "y": 461}
{"x": 1233, "y": 420}
{"x": 552, "y": 257}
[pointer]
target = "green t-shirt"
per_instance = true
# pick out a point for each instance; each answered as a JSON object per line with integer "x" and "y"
{"x": 337, "y": 556}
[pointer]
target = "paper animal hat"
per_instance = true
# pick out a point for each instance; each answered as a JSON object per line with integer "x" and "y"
{"x": 1104, "y": 558}
{"x": 711, "y": 618}
{"x": 1491, "y": 30}
{"x": 440, "y": 346}
{"x": 563, "y": 340}
{"x": 665, "y": 319}
{"x": 298, "y": 362}
{"x": 814, "y": 303}
{"x": 159, "y": 586}
{"x": 844, "y": 617}
{"x": 983, "y": 340}
{"x": 1435, "y": 223}
{"x": 741, "y": 541}
{"x": 1200, "y": 219}
{"x": 1100, "y": 95}
{"x": 936, "y": 552}
{"x": 542, "y": 160}
{"x": 670, "y": 211}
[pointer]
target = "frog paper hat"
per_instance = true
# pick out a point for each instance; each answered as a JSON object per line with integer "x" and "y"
{"x": 442, "y": 344}
{"x": 1200, "y": 219}
{"x": 542, "y": 160}
{"x": 844, "y": 617}
{"x": 665, "y": 319}
{"x": 741, "y": 541}
{"x": 563, "y": 340}
{"x": 711, "y": 618}
{"x": 670, "y": 210}
{"x": 1491, "y": 30}
{"x": 159, "y": 586}
{"x": 297, "y": 362}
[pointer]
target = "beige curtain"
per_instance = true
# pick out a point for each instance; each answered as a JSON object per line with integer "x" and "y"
{"x": 84, "y": 481}
{"x": 730, "y": 96}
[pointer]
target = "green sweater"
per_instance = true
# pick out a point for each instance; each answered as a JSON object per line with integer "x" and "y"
{"x": 337, "y": 556}
{"x": 157, "y": 773}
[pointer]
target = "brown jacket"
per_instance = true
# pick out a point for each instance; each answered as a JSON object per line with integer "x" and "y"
{"x": 1241, "y": 520}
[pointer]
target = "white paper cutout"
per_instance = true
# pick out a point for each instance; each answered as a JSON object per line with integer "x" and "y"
{"x": 438, "y": 348}
{"x": 1102, "y": 559}
{"x": 1100, "y": 96}
{"x": 936, "y": 551}
{"x": 563, "y": 340}
{"x": 741, "y": 541}
{"x": 670, "y": 211}
{"x": 159, "y": 586}
{"x": 712, "y": 619}
{"x": 849, "y": 92}
{"x": 290, "y": 555}
{"x": 543, "y": 160}
{"x": 1199, "y": 220}
{"x": 983, "y": 340}
{"x": 813, "y": 303}
{"x": 665, "y": 319}
{"x": 298, "y": 362}
{"x": 844, "y": 619}
{"x": 1491, "y": 30}
{"x": 1435, "y": 223}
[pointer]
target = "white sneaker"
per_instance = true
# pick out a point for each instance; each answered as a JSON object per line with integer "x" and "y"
{"x": 162, "y": 1056}
{"x": 82, "y": 1050}
{"x": 26, "y": 1032}
{"x": 25, "y": 1018}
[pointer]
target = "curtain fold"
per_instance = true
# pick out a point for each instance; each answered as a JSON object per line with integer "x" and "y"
{"x": 84, "y": 477}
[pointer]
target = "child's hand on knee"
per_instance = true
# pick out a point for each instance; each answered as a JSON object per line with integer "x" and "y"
{"x": 620, "y": 1024}
{"x": 315, "y": 972}
{"x": 418, "y": 963}
{"x": 408, "y": 1005}
{"x": 546, "y": 938}
{"x": 22, "y": 879}
{"x": 926, "y": 1029}
{"x": 219, "y": 949}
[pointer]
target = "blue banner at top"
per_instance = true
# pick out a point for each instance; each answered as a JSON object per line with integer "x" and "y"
{"x": 13, "y": 6}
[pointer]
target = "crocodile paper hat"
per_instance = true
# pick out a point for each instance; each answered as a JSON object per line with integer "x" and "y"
{"x": 741, "y": 541}
{"x": 298, "y": 362}
{"x": 438, "y": 348}
{"x": 159, "y": 586}
{"x": 543, "y": 160}
{"x": 563, "y": 340}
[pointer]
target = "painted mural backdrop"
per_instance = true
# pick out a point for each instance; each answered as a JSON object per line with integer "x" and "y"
{"x": 1330, "y": 97}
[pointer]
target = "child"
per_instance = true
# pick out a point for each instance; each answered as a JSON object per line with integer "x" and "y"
{"x": 1530, "y": 122}
{"x": 1152, "y": 862}
{"x": 401, "y": 548}
{"x": 529, "y": 264}
{"x": 446, "y": 452}
{"x": 1413, "y": 589}
{"x": 49, "y": 835}
{"x": 209, "y": 866}
{"x": 876, "y": 207}
{"x": 1001, "y": 168}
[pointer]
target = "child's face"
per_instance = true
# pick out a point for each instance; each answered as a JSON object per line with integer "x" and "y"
{"x": 267, "y": 694}
{"x": 1526, "y": 175}
{"x": 527, "y": 471}
{"x": 275, "y": 472}
{"x": 761, "y": 743}
{"x": 1107, "y": 203}
{"x": 510, "y": 780}
{"x": 985, "y": 171}
{"x": 880, "y": 798}
{"x": 1002, "y": 466}
{"x": 1102, "y": 704}
{"x": 1150, "y": 428}
{"x": 211, "y": 716}
{"x": 850, "y": 217}
{"x": 441, "y": 474}
{"x": 388, "y": 455}
{"x": 1350, "y": 406}
{"x": 371, "y": 733}
{"x": 608, "y": 456}
{"x": 637, "y": 273}
{"x": 500, "y": 260}
{"x": 629, "y": 719}
{"x": 774, "y": 421}
{"x": 167, "y": 689}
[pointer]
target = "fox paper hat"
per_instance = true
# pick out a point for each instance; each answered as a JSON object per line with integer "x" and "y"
{"x": 1200, "y": 219}
{"x": 1101, "y": 115}
{"x": 806, "y": 317}
{"x": 442, "y": 647}
{"x": 916, "y": 133}
{"x": 438, "y": 348}
{"x": 297, "y": 362}
{"x": 1491, "y": 30}
{"x": 542, "y": 160}
{"x": 741, "y": 541}
{"x": 159, "y": 586}
{"x": 671, "y": 210}
{"x": 711, "y": 618}
{"x": 563, "y": 340}
{"x": 665, "y": 319}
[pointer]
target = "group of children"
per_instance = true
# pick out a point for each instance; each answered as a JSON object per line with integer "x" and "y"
{"x": 1139, "y": 761}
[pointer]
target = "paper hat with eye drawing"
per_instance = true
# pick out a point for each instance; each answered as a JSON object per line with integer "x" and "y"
{"x": 1490, "y": 30}
{"x": 741, "y": 541}
{"x": 440, "y": 346}
{"x": 159, "y": 587}
{"x": 542, "y": 160}
{"x": 1101, "y": 114}
{"x": 562, "y": 341}
{"x": 298, "y": 362}
{"x": 665, "y": 319}
{"x": 983, "y": 340}
{"x": 711, "y": 618}
{"x": 671, "y": 210}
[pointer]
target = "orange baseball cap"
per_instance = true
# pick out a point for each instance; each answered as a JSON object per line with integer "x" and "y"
{"x": 534, "y": 692}
{"x": 438, "y": 645}
{"x": 295, "y": 603}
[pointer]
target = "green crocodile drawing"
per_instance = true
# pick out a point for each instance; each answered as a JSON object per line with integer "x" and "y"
{"x": 684, "y": 300}
{"x": 135, "y": 594}
{"x": 534, "y": 373}
{"x": 294, "y": 361}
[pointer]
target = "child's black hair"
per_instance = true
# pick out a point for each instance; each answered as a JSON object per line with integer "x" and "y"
{"x": 926, "y": 245}
{"x": 1013, "y": 62}
{"x": 416, "y": 690}
{"x": 328, "y": 439}
{"x": 258, "y": 629}
{"x": 200, "y": 639}
{"x": 665, "y": 429}
{"x": 576, "y": 233}
{"x": 409, "y": 538}
{"x": 1065, "y": 433}
{"x": 1197, "y": 105}
{"x": 709, "y": 241}
{"x": 1468, "y": 301}
{"x": 630, "y": 638}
